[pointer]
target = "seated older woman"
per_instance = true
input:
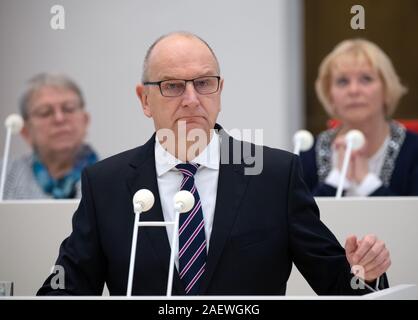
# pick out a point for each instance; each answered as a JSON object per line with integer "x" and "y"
{"x": 358, "y": 85}
{"x": 55, "y": 127}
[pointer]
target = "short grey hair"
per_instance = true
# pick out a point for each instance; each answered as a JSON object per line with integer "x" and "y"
{"x": 43, "y": 80}
{"x": 186, "y": 34}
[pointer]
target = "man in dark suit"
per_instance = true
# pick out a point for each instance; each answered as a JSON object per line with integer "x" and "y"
{"x": 245, "y": 229}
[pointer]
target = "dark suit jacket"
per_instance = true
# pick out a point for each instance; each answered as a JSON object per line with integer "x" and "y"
{"x": 262, "y": 224}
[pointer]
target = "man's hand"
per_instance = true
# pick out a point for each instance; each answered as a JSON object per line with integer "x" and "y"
{"x": 370, "y": 253}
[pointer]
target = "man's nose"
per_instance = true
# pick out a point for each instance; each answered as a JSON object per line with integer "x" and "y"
{"x": 190, "y": 97}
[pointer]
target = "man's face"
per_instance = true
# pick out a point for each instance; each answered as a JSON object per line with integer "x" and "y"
{"x": 56, "y": 122}
{"x": 179, "y": 57}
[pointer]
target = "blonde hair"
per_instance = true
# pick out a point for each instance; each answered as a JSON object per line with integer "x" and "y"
{"x": 361, "y": 48}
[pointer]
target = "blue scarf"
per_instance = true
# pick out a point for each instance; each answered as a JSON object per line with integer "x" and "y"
{"x": 65, "y": 187}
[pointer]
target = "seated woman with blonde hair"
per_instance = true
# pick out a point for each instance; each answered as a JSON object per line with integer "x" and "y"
{"x": 358, "y": 85}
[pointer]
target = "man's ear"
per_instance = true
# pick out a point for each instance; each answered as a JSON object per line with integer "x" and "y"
{"x": 26, "y": 134}
{"x": 142, "y": 94}
{"x": 221, "y": 86}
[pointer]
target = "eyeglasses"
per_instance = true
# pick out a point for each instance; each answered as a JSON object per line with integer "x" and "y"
{"x": 176, "y": 87}
{"x": 46, "y": 111}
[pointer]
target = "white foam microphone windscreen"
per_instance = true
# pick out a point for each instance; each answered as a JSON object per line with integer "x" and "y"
{"x": 183, "y": 201}
{"x": 302, "y": 141}
{"x": 143, "y": 200}
{"x": 357, "y": 139}
{"x": 14, "y": 122}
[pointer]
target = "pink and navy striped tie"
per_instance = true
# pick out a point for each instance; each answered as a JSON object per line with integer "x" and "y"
{"x": 192, "y": 240}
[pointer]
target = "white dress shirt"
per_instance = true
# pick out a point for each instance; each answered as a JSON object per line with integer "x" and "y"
{"x": 370, "y": 183}
{"x": 206, "y": 180}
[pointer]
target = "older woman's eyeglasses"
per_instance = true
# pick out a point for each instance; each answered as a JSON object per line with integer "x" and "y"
{"x": 47, "y": 111}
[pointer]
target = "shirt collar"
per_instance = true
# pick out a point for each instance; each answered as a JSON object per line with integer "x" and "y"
{"x": 209, "y": 157}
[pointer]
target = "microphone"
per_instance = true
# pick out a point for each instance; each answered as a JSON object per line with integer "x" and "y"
{"x": 183, "y": 202}
{"x": 354, "y": 140}
{"x": 14, "y": 124}
{"x": 303, "y": 141}
{"x": 143, "y": 200}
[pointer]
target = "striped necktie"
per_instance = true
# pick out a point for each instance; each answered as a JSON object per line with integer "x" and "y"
{"x": 192, "y": 240}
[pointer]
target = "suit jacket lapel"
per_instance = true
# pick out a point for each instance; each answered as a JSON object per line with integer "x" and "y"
{"x": 145, "y": 177}
{"x": 231, "y": 187}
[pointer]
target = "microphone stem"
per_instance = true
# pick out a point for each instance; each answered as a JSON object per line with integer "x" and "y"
{"x": 4, "y": 165}
{"x": 133, "y": 255}
{"x": 173, "y": 250}
{"x": 296, "y": 150}
{"x": 344, "y": 169}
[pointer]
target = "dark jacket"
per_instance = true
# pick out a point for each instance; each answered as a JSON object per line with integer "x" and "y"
{"x": 262, "y": 224}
